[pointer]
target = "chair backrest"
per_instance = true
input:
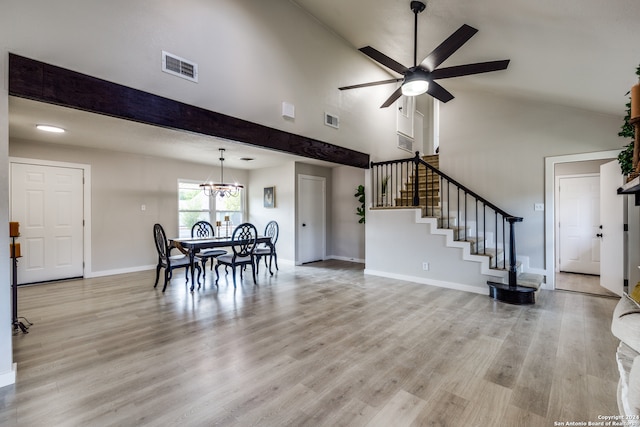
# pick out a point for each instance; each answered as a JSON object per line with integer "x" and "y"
{"x": 160, "y": 239}
{"x": 272, "y": 230}
{"x": 202, "y": 229}
{"x": 244, "y": 239}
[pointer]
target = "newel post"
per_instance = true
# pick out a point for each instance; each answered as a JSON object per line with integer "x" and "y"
{"x": 416, "y": 182}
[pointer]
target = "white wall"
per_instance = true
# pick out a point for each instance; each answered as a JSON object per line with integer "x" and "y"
{"x": 397, "y": 246}
{"x": 283, "y": 179}
{"x": 347, "y": 234}
{"x": 496, "y": 146}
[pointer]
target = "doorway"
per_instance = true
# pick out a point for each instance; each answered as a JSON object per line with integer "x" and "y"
{"x": 51, "y": 202}
{"x": 578, "y": 223}
{"x": 311, "y": 227}
{"x": 567, "y": 166}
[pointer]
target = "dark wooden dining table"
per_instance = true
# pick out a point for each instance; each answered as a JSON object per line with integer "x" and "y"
{"x": 192, "y": 246}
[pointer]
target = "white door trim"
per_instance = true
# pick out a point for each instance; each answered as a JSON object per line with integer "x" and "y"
{"x": 550, "y": 210}
{"x": 86, "y": 201}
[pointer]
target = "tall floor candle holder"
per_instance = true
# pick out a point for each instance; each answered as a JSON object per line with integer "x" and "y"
{"x": 15, "y": 254}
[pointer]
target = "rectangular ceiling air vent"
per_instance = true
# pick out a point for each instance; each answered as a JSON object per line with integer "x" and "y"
{"x": 331, "y": 120}
{"x": 180, "y": 67}
{"x": 405, "y": 143}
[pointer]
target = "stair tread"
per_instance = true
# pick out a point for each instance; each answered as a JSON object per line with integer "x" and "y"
{"x": 530, "y": 280}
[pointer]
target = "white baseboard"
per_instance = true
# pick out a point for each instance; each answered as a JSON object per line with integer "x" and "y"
{"x": 9, "y": 377}
{"x": 432, "y": 282}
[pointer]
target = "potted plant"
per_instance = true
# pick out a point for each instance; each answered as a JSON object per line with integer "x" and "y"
{"x": 627, "y": 130}
{"x": 360, "y": 210}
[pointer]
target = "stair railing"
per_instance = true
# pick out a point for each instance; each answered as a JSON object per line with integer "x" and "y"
{"x": 414, "y": 182}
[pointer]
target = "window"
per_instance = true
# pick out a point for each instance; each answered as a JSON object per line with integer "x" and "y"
{"x": 194, "y": 206}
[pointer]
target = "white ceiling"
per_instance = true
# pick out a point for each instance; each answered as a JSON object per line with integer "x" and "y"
{"x": 580, "y": 53}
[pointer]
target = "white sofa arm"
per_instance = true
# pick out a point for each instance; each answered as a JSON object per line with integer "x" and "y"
{"x": 626, "y": 323}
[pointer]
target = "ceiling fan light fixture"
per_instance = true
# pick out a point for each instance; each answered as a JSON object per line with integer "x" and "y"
{"x": 415, "y": 83}
{"x": 415, "y": 87}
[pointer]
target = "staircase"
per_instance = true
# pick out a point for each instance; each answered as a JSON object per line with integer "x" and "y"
{"x": 473, "y": 221}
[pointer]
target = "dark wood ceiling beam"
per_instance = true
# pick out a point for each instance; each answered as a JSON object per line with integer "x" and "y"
{"x": 47, "y": 83}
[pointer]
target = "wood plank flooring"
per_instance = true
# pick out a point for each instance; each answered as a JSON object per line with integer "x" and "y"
{"x": 314, "y": 345}
{"x": 581, "y": 283}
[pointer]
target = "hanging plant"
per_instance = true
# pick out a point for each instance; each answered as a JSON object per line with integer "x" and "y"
{"x": 360, "y": 210}
{"x": 627, "y": 130}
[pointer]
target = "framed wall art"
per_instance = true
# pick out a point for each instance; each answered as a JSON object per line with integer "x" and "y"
{"x": 269, "y": 197}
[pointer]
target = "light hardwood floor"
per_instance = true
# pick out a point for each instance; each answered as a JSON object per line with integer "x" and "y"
{"x": 316, "y": 345}
{"x": 586, "y": 283}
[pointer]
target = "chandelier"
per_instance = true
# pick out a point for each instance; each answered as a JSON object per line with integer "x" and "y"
{"x": 221, "y": 188}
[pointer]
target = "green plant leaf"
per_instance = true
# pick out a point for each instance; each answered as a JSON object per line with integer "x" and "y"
{"x": 360, "y": 210}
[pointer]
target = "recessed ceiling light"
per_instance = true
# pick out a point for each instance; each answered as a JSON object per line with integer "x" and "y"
{"x": 49, "y": 128}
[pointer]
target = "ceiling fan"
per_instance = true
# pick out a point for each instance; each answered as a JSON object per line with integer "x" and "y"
{"x": 420, "y": 78}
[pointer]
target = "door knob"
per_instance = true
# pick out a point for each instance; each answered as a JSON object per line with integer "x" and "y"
{"x": 304, "y": 225}
{"x": 599, "y": 235}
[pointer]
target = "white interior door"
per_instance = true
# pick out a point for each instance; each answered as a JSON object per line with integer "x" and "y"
{"x": 47, "y": 201}
{"x": 579, "y": 225}
{"x": 311, "y": 218}
{"x": 612, "y": 217}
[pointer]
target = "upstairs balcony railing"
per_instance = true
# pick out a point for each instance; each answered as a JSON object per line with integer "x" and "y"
{"x": 415, "y": 183}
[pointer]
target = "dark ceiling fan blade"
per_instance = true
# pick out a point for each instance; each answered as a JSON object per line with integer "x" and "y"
{"x": 467, "y": 69}
{"x": 395, "y": 95}
{"x": 448, "y": 47}
{"x": 380, "y": 57}
{"x": 381, "y": 82}
{"x": 438, "y": 92}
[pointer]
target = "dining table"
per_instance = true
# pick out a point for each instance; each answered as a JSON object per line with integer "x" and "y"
{"x": 193, "y": 246}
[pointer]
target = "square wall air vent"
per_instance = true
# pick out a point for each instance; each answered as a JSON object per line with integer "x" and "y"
{"x": 180, "y": 67}
{"x": 405, "y": 143}
{"x": 331, "y": 120}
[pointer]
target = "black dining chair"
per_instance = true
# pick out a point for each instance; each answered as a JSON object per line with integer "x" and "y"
{"x": 243, "y": 243}
{"x": 268, "y": 250}
{"x": 171, "y": 262}
{"x": 204, "y": 230}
